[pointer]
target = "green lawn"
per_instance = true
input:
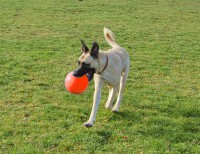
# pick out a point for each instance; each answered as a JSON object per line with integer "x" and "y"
{"x": 40, "y": 44}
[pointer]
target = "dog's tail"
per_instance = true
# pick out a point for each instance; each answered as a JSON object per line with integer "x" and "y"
{"x": 109, "y": 36}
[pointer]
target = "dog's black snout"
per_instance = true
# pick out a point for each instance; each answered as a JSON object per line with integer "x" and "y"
{"x": 75, "y": 74}
{"x": 79, "y": 72}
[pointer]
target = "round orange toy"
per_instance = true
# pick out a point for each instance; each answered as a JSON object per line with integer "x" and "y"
{"x": 76, "y": 85}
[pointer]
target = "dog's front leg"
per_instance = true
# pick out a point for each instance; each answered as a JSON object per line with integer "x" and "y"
{"x": 96, "y": 101}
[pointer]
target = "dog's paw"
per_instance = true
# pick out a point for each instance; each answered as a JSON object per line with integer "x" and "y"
{"x": 108, "y": 106}
{"x": 88, "y": 124}
{"x": 115, "y": 110}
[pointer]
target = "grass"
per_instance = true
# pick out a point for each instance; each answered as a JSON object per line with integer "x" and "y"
{"x": 39, "y": 45}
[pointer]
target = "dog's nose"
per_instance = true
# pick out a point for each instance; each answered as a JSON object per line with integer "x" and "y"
{"x": 75, "y": 74}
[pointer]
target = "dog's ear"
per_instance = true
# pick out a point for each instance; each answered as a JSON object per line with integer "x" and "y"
{"x": 84, "y": 48}
{"x": 95, "y": 50}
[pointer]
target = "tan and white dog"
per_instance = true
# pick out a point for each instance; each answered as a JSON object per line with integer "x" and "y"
{"x": 110, "y": 67}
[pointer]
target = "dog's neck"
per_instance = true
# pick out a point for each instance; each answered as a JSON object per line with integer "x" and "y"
{"x": 103, "y": 62}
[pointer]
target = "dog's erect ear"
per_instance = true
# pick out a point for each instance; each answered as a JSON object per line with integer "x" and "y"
{"x": 84, "y": 48}
{"x": 95, "y": 50}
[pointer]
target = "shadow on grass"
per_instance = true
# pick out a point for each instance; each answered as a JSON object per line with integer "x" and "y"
{"x": 126, "y": 116}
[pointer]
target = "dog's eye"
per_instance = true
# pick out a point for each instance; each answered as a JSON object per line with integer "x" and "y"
{"x": 79, "y": 62}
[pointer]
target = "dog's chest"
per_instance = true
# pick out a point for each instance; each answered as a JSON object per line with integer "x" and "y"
{"x": 111, "y": 79}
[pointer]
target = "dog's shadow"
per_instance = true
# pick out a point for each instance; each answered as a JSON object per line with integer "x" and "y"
{"x": 127, "y": 115}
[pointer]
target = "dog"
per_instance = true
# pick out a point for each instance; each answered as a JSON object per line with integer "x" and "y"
{"x": 110, "y": 67}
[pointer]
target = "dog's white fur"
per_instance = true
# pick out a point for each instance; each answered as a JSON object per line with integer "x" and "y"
{"x": 115, "y": 75}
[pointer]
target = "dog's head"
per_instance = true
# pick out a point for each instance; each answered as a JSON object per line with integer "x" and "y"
{"x": 88, "y": 61}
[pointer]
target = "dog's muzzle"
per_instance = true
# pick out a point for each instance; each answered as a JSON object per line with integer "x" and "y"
{"x": 81, "y": 71}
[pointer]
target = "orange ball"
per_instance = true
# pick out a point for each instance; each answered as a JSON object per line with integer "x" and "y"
{"x": 76, "y": 85}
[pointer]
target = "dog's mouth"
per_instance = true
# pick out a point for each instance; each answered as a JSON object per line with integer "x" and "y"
{"x": 89, "y": 73}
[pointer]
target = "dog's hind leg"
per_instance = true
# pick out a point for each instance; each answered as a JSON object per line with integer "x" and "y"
{"x": 112, "y": 94}
{"x": 121, "y": 89}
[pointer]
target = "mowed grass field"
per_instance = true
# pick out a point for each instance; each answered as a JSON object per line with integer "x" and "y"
{"x": 40, "y": 44}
